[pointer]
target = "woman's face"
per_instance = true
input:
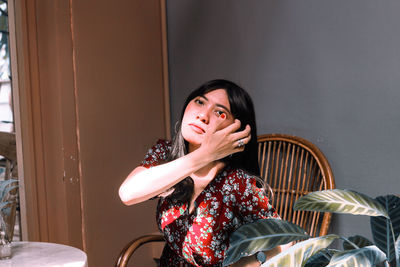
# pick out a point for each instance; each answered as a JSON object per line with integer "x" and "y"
{"x": 204, "y": 113}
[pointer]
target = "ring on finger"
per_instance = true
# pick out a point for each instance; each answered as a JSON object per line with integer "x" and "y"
{"x": 240, "y": 143}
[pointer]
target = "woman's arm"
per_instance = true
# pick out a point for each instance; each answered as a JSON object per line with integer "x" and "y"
{"x": 143, "y": 184}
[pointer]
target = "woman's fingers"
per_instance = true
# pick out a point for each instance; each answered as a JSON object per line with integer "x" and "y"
{"x": 231, "y": 131}
{"x": 241, "y": 135}
{"x": 226, "y": 141}
{"x": 240, "y": 144}
{"x": 231, "y": 128}
{"x": 237, "y": 139}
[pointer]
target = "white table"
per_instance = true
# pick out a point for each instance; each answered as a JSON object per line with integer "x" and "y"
{"x": 40, "y": 254}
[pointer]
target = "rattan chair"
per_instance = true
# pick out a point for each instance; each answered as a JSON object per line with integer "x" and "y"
{"x": 292, "y": 167}
{"x": 128, "y": 250}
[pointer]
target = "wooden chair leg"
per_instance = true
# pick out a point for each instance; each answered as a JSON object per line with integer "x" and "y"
{"x": 127, "y": 252}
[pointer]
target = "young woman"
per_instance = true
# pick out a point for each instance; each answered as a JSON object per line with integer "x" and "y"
{"x": 205, "y": 178}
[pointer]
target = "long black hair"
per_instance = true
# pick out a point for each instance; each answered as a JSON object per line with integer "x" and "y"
{"x": 242, "y": 108}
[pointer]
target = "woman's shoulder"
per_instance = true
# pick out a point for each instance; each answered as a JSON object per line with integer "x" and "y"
{"x": 157, "y": 153}
{"x": 236, "y": 180}
{"x": 162, "y": 145}
{"x": 237, "y": 175}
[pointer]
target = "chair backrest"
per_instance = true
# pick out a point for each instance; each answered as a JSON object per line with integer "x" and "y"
{"x": 293, "y": 167}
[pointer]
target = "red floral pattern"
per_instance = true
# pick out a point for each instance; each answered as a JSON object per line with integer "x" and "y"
{"x": 201, "y": 238}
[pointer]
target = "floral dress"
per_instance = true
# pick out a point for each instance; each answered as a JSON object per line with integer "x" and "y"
{"x": 201, "y": 238}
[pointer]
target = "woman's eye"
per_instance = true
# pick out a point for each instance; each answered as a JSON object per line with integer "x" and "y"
{"x": 221, "y": 114}
{"x": 199, "y": 101}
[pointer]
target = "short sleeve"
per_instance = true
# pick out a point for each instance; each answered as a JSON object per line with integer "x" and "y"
{"x": 157, "y": 154}
{"x": 252, "y": 202}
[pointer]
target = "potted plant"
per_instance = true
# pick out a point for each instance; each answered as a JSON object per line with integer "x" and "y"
{"x": 8, "y": 202}
{"x": 357, "y": 250}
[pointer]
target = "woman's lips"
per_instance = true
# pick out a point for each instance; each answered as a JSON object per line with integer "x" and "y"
{"x": 197, "y": 128}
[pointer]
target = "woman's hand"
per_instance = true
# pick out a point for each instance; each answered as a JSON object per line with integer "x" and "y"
{"x": 219, "y": 143}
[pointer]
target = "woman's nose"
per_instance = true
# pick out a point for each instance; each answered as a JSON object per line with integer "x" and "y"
{"x": 203, "y": 117}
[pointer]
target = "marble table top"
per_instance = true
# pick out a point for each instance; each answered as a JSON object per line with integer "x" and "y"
{"x": 35, "y": 254}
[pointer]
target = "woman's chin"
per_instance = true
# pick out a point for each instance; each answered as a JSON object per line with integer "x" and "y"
{"x": 194, "y": 143}
{"x": 194, "y": 139}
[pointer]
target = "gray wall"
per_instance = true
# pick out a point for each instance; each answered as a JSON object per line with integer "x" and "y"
{"x": 328, "y": 71}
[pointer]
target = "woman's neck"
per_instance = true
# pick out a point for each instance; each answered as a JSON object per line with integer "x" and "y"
{"x": 211, "y": 169}
{"x": 205, "y": 175}
{"x": 192, "y": 147}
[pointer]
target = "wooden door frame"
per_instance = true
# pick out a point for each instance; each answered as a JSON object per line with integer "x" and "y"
{"x": 23, "y": 59}
{"x": 30, "y": 128}
{"x": 29, "y": 98}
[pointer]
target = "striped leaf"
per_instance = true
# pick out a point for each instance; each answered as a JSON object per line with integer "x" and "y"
{"x": 8, "y": 190}
{"x": 261, "y": 235}
{"x": 362, "y": 257}
{"x": 4, "y": 187}
{"x": 381, "y": 227}
{"x": 321, "y": 258}
{"x": 341, "y": 201}
{"x": 3, "y": 205}
{"x": 360, "y": 241}
{"x": 297, "y": 255}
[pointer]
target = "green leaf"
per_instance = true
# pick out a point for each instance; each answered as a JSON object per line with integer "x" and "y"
{"x": 3, "y": 186}
{"x": 261, "y": 235}
{"x": 340, "y": 201}
{"x": 298, "y": 254}
{"x": 3, "y": 205}
{"x": 6, "y": 191}
{"x": 321, "y": 258}
{"x": 6, "y": 210}
{"x": 381, "y": 227}
{"x": 363, "y": 257}
{"x": 360, "y": 241}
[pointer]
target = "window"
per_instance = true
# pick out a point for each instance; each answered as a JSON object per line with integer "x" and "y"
{"x": 6, "y": 115}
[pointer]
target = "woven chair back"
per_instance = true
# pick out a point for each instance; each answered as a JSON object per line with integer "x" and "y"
{"x": 294, "y": 167}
